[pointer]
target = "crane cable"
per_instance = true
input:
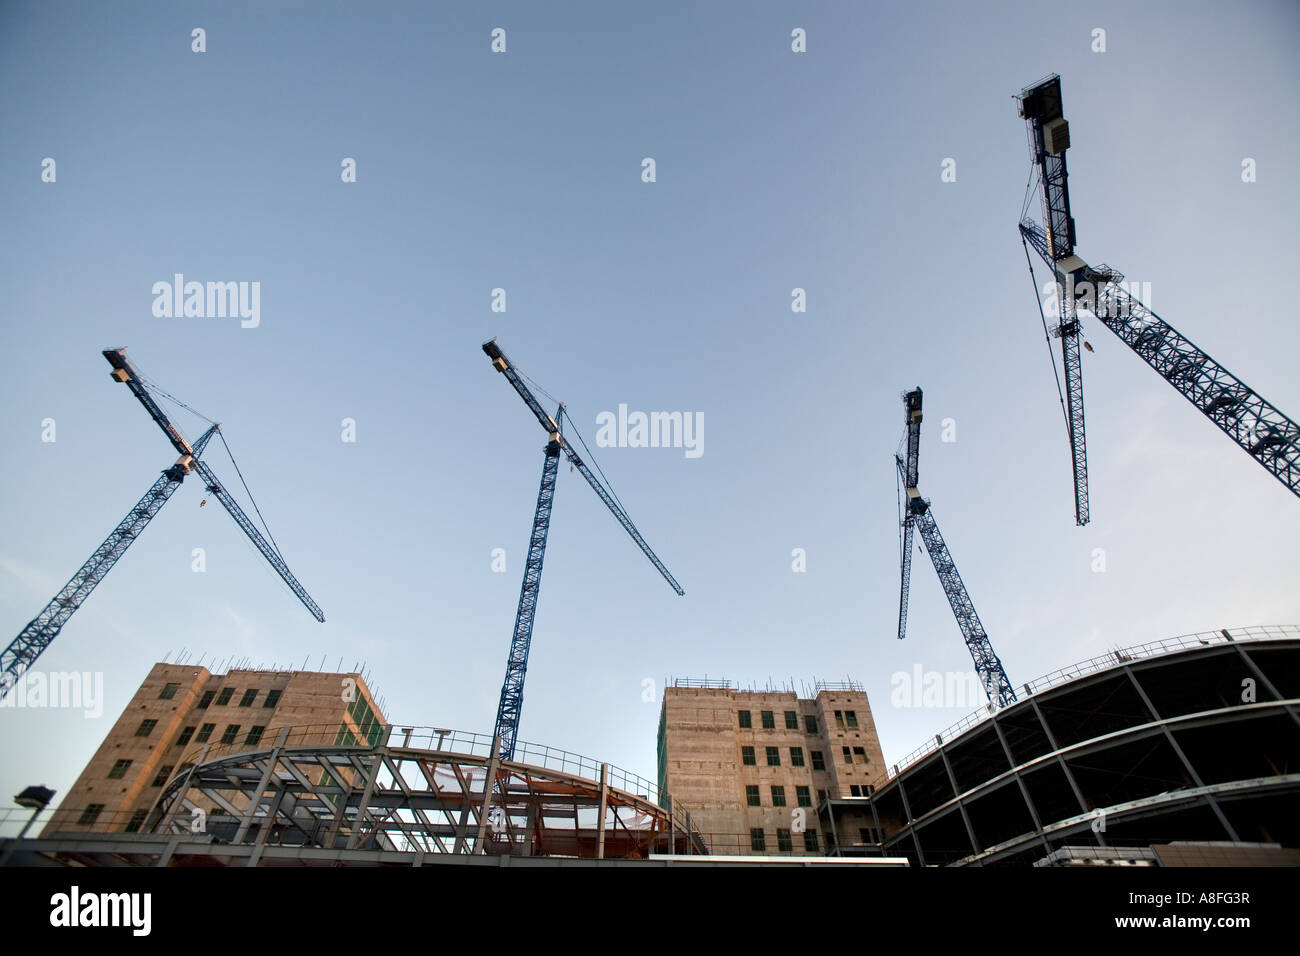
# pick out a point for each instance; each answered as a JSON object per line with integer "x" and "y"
{"x": 1047, "y": 336}
{"x": 526, "y": 377}
{"x": 171, "y": 398}
{"x": 153, "y": 387}
{"x": 1029, "y": 188}
{"x": 564, "y": 413}
{"x": 250, "y": 497}
{"x": 609, "y": 485}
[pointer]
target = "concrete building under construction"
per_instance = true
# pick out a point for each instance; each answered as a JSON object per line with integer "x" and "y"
{"x": 282, "y": 768}
{"x": 183, "y": 715}
{"x": 1181, "y": 751}
{"x": 753, "y": 766}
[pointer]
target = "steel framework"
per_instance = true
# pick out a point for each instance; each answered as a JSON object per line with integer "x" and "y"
{"x": 402, "y": 803}
{"x": 1154, "y": 740}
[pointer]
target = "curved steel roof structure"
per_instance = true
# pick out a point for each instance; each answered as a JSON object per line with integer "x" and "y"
{"x": 1193, "y": 739}
{"x": 397, "y": 803}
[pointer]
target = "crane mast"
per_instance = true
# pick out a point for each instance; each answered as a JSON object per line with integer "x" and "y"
{"x": 510, "y": 705}
{"x": 1254, "y": 424}
{"x": 506, "y": 728}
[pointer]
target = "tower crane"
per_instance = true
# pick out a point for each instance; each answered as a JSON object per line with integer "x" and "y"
{"x": 42, "y": 629}
{"x": 1254, "y": 424}
{"x": 918, "y": 515}
{"x": 512, "y": 691}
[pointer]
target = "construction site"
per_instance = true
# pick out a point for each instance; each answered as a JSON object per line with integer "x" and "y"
{"x": 1181, "y": 750}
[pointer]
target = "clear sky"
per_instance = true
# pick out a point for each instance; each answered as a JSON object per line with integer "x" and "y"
{"x": 775, "y": 170}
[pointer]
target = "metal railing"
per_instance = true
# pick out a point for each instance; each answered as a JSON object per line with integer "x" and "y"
{"x": 841, "y": 685}
{"x": 716, "y": 683}
{"x": 14, "y": 819}
{"x": 1114, "y": 658}
{"x": 539, "y": 755}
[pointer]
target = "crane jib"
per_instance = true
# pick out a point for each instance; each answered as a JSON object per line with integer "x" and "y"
{"x": 502, "y": 363}
{"x": 124, "y": 372}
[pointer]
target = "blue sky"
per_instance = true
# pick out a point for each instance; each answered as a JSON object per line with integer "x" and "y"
{"x": 522, "y": 171}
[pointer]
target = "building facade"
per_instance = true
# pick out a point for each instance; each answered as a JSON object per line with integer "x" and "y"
{"x": 754, "y": 767}
{"x": 183, "y": 714}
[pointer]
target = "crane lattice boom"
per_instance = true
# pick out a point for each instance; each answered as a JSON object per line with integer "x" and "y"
{"x": 918, "y": 516}
{"x": 42, "y": 629}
